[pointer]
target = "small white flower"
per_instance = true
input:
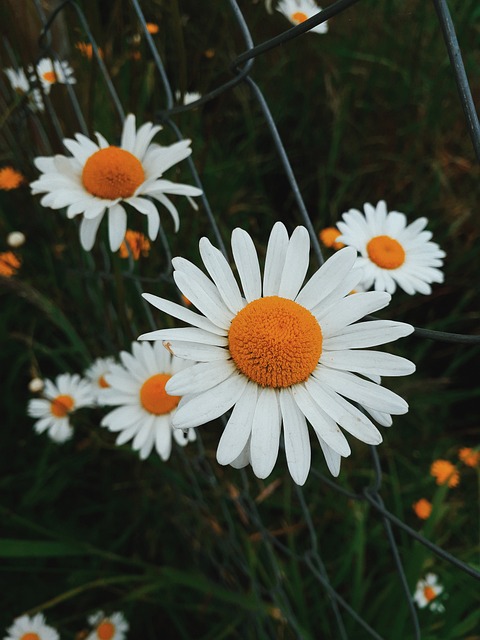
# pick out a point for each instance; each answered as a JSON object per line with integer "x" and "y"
{"x": 427, "y": 592}
{"x": 31, "y": 628}
{"x": 144, "y": 409}
{"x": 35, "y": 385}
{"x": 15, "y": 239}
{"x": 96, "y": 373}
{"x": 297, "y": 11}
{"x": 281, "y": 353}
{"x": 108, "y": 627}
{"x": 20, "y": 84}
{"x": 60, "y": 399}
{"x": 99, "y": 177}
{"x": 188, "y": 97}
{"x": 391, "y": 252}
{"x": 51, "y": 72}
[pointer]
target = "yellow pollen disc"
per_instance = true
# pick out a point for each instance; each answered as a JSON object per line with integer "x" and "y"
{"x": 112, "y": 173}
{"x": 30, "y": 636}
{"x": 49, "y": 76}
{"x": 386, "y": 252}
{"x": 429, "y": 593}
{"x": 153, "y": 396}
{"x": 102, "y": 382}
{"x": 106, "y": 630}
{"x": 275, "y": 342}
{"x": 61, "y": 405}
{"x": 299, "y": 16}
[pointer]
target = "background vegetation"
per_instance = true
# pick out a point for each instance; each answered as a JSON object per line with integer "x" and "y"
{"x": 186, "y": 548}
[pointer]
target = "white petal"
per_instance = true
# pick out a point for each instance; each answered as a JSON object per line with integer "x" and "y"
{"x": 275, "y": 259}
{"x": 182, "y": 313}
{"x": 199, "y": 377}
{"x": 187, "y": 334}
{"x": 211, "y": 404}
{"x": 266, "y": 428}
{"x": 297, "y": 442}
{"x": 204, "y": 296}
{"x": 332, "y": 458}
{"x": 221, "y": 274}
{"x": 198, "y": 352}
{"x": 88, "y": 231}
{"x": 246, "y": 260}
{"x": 117, "y": 226}
{"x": 368, "y": 362}
{"x": 239, "y": 426}
{"x": 367, "y": 334}
{"x": 351, "y": 309}
{"x": 296, "y": 264}
{"x": 163, "y": 437}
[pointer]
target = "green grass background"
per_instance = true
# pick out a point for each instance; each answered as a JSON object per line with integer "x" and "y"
{"x": 369, "y": 111}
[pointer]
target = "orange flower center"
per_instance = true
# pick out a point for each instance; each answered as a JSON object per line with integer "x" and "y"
{"x": 102, "y": 382}
{"x": 386, "y": 252}
{"x": 275, "y": 342}
{"x": 49, "y": 76}
{"x": 61, "y": 405}
{"x": 10, "y": 178}
{"x": 153, "y": 396}
{"x": 106, "y": 630}
{"x": 30, "y": 636}
{"x": 112, "y": 173}
{"x": 299, "y": 16}
{"x": 429, "y": 593}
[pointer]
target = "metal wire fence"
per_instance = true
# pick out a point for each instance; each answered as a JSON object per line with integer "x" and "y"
{"x": 198, "y": 468}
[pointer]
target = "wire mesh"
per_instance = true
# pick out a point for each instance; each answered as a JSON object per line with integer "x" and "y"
{"x": 240, "y": 503}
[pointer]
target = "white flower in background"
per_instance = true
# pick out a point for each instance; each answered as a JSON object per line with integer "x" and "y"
{"x": 20, "y": 84}
{"x": 15, "y": 239}
{"x": 96, "y": 373}
{"x": 31, "y": 628}
{"x": 101, "y": 177}
{"x": 281, "y": 353}
{"x": 391, "y": 252}
{"x": 297, "y": 11}
{"x": 427, "y": 592}
{"x": 144, "y": 409}
{"x": 35, "y": 385}
{"x": 51, "y": 72}
{"x": 60, "y": 399}
{"x": 188, "y": 97}
{"x": 111, "y": 627}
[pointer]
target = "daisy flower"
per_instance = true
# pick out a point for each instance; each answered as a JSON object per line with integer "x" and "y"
{"x": 328, "y": 237}
{"x": 100, "y": 177}
{"x": 144, "y": 409}
{"x": 469, "y": 456}
{"x": 10, "y": 178}
{"x": 422, "y": 508}
{"x": 51, "y": 72}
{"x": 427, "y": 592}
{"x": 21, "y": 85}
{"x": 297, "y": 11}
{"x": 16, "y": 239}
{"x": 9, "y": 264}
{"x": 111, "y": 627}
{"x": 188, "y": 97}
{"x": 392, "y": 253}
{"x": 96, "y": 373}
{"x": 31, "y": 628}
{"x": 60, "y": 399}
{"x": 280, "y": 353}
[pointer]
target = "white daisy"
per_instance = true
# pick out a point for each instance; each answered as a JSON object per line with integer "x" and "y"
{"x": 31, "y": 628}
{"x": 144, "y": 409}
{"x": 427, "y": 592}
{"x": 100, "y": 177}
{"x": 96, "y": 373}
{"x": 297, "y": 11}
{"x": 391, "y": 252}
{"x": 280, "y": 352}
{"x": 51, "y": 72}
{"x": 111, "y": 627}
{"x": 60, "y": 399}
{"x": 20, "y": 84}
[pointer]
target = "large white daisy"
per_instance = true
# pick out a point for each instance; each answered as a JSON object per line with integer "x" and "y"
{"x": 100, "y": 177}
{"x": 280, "y": 353}
{"x": 144, "y": 409}
{"x": 108, "y": 627}
{"x": 60, "y": 399}
{"x": 391, "y": 252}
{"x": 297, "y": 11}
{"x": 51, "y": 72}
{"x": 31, "y": 628}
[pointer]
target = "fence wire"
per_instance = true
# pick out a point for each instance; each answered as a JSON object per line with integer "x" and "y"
{"x": 241, "y": 503}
